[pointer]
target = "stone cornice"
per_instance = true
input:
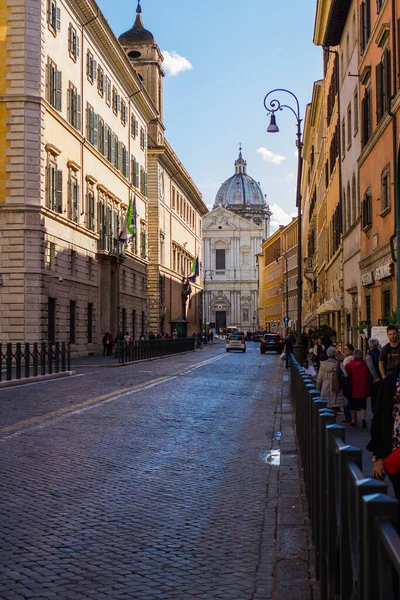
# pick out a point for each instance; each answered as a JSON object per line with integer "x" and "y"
{"x": 88, "y": 10}
{"x": 170, "y": 162}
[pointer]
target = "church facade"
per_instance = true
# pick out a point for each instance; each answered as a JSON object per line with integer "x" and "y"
{"x": 232, "y": 236}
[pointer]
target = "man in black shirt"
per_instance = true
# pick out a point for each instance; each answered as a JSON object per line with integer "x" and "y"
{"x": 389, "y": 358}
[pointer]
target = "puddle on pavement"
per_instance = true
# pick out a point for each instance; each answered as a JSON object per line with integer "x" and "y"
{"x": 272, "y": 457}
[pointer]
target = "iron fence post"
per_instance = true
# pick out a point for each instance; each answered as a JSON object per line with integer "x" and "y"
{"x": 375, "y": 507}
{"x": 18, "y": 360}
{"x": 364, "y": 487}
{"x": 27, "y": 357}
{"x": 335, "y": 434}
{"x": 347, "y": 454}
{"x": 326, "y": 417}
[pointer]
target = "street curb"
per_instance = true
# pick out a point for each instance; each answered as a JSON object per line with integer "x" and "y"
{"x": 25, "y": 380}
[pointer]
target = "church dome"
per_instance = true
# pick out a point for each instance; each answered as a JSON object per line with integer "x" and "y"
{"x": 137, "y": 34}
{"x": 240, "y": 189}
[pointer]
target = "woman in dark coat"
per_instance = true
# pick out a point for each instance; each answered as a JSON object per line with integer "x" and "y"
{"x": 385, "y": 430}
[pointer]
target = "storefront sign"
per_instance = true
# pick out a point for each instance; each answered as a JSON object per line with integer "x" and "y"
{"x": 383, "y": 271}
{"x": 367, "y": 279}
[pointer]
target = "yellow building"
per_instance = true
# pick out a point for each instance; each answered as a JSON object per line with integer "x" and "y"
{"x": 278, "y": 280}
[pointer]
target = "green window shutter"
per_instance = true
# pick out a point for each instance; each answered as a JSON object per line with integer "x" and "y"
{"x": 78, "y": 112}
{"x": 137, "y": 182}
{"x": 95, "y": 129}
{"x": 126, "y": 163}
{"x": 59, "y": 191}
{"x": 50, "y": 186}
{"x": 105, "y": 141}
{"x": 58, "y": 98}
{"x": 112, "y": 148}
{"x": 58, "y": 19}
{"x": 119, "y": 165}
{"x": 136, "y": 127}
{"x": 132, "y": 171}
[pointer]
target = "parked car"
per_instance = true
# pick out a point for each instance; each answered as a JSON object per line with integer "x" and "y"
{"x": 235, "y": 341}
{"x": 271, "y": 342}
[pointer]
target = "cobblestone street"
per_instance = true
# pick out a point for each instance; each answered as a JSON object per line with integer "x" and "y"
{"x": 143, "y": 482}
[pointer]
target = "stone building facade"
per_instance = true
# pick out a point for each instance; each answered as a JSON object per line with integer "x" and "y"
{"x": 175, "y": 205}
{"x": 76, "y": 122}
{"x": 232, "y": 236}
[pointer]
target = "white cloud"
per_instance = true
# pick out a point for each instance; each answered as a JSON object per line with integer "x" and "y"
{"x": 174, "y": 63}
{"x": 279, "y": 217}
{"x": 271, "y": 157}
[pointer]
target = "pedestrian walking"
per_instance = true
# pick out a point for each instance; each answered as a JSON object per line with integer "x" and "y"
{"x": 328, "y": 381}
{"x": 357, "y": 371}
{"x": 389, "y": 358}
{"x": 288, "y": 348}
{"x": 348, "y": 350}
{"x": 104, "y": 342}
{"x": 385, "y": 429}
{"x": 374, "y": 376}
{"x": 109, "y": 344}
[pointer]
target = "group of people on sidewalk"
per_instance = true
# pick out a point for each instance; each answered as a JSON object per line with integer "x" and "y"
{"x": 346, "y": 381}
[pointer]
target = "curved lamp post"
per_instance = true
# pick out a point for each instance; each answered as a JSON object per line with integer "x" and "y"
{"x": 272, "y": 105}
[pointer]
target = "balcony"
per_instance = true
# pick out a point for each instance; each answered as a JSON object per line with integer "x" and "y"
{"x": 111, "y": 246}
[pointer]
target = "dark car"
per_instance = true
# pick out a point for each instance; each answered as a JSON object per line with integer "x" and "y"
{"x": 271, "y": 342}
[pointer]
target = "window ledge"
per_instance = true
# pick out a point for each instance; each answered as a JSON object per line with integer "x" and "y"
{"x": 366, "y": 228}
{"x": 385, "y": 212}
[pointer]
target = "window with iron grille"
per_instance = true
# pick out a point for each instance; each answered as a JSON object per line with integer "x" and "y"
{"x": 100, "y": 80}
{"x": 54, "y": 85}
{"x": 366, "y": 210}
{"x": 124, "y": 113}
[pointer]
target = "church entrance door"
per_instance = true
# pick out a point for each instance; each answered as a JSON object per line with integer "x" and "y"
{"x": 220, "y": 320}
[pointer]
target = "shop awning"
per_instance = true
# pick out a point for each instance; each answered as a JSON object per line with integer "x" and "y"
{"x": 311, "y": 320}
{"x": 332, "y": 305}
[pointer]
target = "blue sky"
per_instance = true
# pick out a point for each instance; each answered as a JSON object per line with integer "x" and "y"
{"x": 231, "y": 53}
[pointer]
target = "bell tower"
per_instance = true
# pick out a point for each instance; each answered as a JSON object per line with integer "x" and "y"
{"x": 146, "y": 58}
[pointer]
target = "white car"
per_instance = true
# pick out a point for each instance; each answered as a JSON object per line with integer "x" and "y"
{"x": 235, "y": 341}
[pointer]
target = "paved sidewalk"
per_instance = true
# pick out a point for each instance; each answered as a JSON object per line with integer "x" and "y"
{"x": 293, "y": 570}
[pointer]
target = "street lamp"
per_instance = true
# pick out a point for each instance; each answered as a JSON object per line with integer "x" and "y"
{"x": 273, "y": 106}
{"x": 278, "y": 254}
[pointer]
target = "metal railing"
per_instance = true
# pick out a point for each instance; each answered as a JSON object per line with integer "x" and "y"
{"x": 146, "y": 349}
{"x": 23, "y": 360}
{"x": 354, "y": 522}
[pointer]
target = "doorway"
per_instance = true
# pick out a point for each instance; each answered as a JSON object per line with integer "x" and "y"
{"x": 220, "y": 320}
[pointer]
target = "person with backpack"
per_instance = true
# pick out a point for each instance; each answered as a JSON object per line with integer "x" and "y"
{"x": 329, "y": 380}
{"x": 374, "y": 376}
{"x": 357, "y": 371}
